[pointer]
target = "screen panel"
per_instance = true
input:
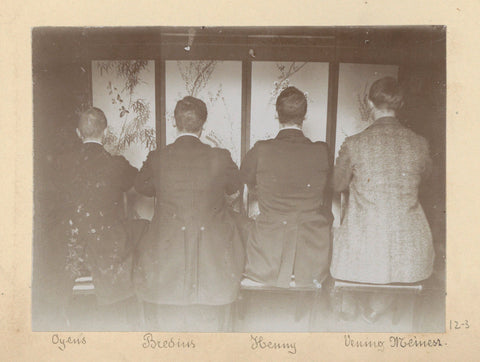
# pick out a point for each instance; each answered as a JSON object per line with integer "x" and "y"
{"x": 268, "y": 81}
{"x": 219, "y": 85}
{"x": 125, "y": 91}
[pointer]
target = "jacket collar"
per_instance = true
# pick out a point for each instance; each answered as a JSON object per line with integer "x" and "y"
{"x": 93, "y": 141}
{"x": 186, "y": 134}
{"x": 384, "y": 120}
{"x": 92, "y": 145}
{"x": 187, "y": 139}
{"x": 289, "y": 133}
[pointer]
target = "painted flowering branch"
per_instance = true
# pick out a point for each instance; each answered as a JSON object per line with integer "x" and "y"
{"x": 283, "y": 79}
{"x": 133, "y": 129}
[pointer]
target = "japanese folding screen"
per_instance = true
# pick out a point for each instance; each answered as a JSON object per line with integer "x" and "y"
{"x": 125, "y": 91}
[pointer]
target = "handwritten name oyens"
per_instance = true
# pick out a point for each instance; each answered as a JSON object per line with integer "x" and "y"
{"x": 169, "y": 343}
{"x": 392, "y": 342}
{"x": 257, "y": 342}
{"x": 61, "y": 342}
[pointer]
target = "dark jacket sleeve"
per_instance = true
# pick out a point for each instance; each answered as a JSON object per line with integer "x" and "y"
{"x": 233, "y": 176}
{"x": 342, "y": 172}
{"x": 144, "y": 181}
{"x": 248, "y": 169}
{"x": 127, "y": 173}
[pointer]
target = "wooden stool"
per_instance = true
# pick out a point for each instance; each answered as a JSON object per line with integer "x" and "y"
{"x": 340, "y": 286}
{"x": 84, "y": 291}
{"x": 302, "y": 293}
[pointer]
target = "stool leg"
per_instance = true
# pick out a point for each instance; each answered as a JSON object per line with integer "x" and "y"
{"x": 418, "y": 315}
{"x": 241, "y": 301}
{"x": 141, "y": 314}
{"x": 304, "y": 304}
{"x": 314, "y": 310}
{"x": 396, "y": 312}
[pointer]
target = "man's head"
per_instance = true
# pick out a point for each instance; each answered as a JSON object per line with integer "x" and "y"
{"x": 92, "y": 124}
{"x": 291, "y": 106}
{"x": 386, "y": 94}
{"x": 190, "y": 114}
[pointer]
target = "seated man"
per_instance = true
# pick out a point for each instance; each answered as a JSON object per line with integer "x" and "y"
{"x": 291, "y": 236}
{"x": 92, "y": 183}
{"x": 191, "y": 258}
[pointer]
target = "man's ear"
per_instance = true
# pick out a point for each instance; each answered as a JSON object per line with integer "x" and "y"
{"x": 78, "y": 133}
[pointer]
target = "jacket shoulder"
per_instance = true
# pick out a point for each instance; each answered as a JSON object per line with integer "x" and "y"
{"x": 349, "y": 141}
{"x": 420, "y": 142}
{"x": 261, "y": 143}
{"x": 118, "y": 159}
{"x": 321, "y": 144}
{"x": 220, "y": 152}
{"x": 272, "y": 142}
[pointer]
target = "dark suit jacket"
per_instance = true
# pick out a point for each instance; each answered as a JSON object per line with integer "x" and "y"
{"x": 292, "y": 233}
{"x": 92, "y": 231}
{"x": 192, "y": 252}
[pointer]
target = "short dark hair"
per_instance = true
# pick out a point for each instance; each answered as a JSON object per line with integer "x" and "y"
{"x": 291, "y": 106}
{"x": 190, "y": 114}
{"x": 386, "y": 94}
{"x": 92, "y": 122}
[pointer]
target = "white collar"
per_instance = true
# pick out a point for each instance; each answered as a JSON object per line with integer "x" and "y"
{"x": 291, "y": 127}
{"x": 186, "y": 134}
{"x": 93, "y": 141}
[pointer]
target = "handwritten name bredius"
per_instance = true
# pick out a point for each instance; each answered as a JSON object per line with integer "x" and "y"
{"x": 169, "y": 343}
{"x": 258, "y": 342}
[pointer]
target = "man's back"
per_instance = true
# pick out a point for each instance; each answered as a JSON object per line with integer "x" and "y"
{"x": 384, "y": 237}
{"x": 192, "y": 252}
{"x": 194, "y": 177}
{"x": 290, "y": 173}
{"x": 91, "y": 184}
{"x": 291, "y": 234}
{"x": 94, "y": 182}
{"x": 388, "y": 162}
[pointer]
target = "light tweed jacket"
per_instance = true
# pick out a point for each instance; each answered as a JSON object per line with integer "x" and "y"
{"x": 384, "y": 237}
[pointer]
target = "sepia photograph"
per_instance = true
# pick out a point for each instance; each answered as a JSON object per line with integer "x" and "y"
{"x": 239, "y": 179}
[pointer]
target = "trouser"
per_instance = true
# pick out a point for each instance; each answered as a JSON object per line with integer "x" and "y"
{"x": 366, "y": 302}
{"x": 188, "y": 318}
{"x": 84, "y": 313}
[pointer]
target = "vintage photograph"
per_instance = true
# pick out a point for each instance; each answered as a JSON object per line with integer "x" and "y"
{"x": 239, "y": 179}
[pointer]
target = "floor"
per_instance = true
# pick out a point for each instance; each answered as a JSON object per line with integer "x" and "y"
{"x": 274, "y": 312}
{"x": 288, "y": 313}
{"x": 267, "y": 312}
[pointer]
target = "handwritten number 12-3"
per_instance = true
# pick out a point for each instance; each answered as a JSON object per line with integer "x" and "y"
{"x": 458, "y": 325}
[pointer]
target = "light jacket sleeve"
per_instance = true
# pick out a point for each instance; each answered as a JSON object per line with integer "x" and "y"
{"x": 342, "y": 173}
